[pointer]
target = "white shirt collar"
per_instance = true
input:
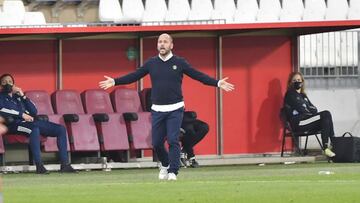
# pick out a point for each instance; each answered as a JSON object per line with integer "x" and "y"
{"x": 167, "y": 57}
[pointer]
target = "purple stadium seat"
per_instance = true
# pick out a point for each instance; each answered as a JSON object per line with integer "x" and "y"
{"x": 138, "y": 122}
{"x": 42, "y": 101}
{"x": 80, "y": 126}
{"x": 111, "y": 127}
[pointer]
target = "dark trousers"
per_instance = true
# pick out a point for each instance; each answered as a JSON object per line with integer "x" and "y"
{"x": 167, "y": 125}
{"x": 195, "y": 132}
{"x": 324, "y": 124}
{"x": 45, "y": 128}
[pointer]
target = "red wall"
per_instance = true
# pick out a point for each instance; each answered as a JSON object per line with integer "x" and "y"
{"x": 85, "y": 62}
{"x": 32, "y": 63}
{"x": 201, "y": 54}
{"x": 258, "y": 66}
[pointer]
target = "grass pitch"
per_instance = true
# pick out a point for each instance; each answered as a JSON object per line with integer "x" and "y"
{"x": 263, "y": 184}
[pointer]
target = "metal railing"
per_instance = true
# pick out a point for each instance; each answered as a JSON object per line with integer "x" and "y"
{"x": 330, "y": 59}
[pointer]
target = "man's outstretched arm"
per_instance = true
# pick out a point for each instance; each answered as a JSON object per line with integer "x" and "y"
{"x": 127, "y": 79}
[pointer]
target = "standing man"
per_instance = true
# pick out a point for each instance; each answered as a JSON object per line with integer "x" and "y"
{"x": 166, "y": 72}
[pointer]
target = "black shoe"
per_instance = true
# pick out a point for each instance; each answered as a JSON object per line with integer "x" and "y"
{"x": 193, "y": 163}
{"x": 67, "y": 168}
{"x": 40, "y": 169}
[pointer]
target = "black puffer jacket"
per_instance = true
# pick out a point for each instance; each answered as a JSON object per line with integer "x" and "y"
{"x": 298, "y": 106}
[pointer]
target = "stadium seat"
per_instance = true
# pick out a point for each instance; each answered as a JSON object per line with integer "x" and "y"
{"x": 80, "y": 126}
{"x": 8, "y": 19}
{"x": 15, "y": 6}
{"x": 138, "y": 122}
{"x": 133, "y": 11}
{"x": 292, "y": 10}
{"x": 110, "y": 126}
{"x": 155, "y": 11}
{"x": 42, "y": 101}
{"x": 289, "y": 132}
{"x": 110, "y": 11}
{"x": 201, "y": 10}
{"x": 337, "y": 10}
{"x": 269, "y": 11}
{"x": 354, "y": 10}
{"x": 246, "y": 11}
{"x": 224, "y": 9}
{"x": 178, "y": 10}
{"x": 13, "y": 12}
{"x": 315, "y": 10}
{"x": 34, "y": 18}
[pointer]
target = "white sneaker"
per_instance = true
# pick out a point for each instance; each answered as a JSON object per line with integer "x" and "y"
{"x": 172, "y": 176}
{"x": 163, "y": 174}
{"x": 329, "y": 153}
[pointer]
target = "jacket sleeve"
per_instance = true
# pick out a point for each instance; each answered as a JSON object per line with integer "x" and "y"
{"x": 312, "y": 108}
{"x": 199, "y": 76}
{"x": 132, "y": 77}
{"x": 30, "y": 107}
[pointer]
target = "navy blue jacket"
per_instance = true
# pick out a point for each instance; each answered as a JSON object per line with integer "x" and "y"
{"x": 15, "y": 106}
{"x": 166, "y": 78}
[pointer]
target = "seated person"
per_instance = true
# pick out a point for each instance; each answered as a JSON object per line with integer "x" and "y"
{"x": 303, "y": 115}
{"x": 14, "y": 104}
{"x": 195, "y": 131}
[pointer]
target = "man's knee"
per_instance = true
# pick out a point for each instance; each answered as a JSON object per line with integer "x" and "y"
{"x": 60, "y": 131}
{"x": 173, "y": 141}
{"x": 202, "y": 127}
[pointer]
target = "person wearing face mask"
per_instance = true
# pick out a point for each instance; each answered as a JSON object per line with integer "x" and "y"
{"x": 15, "y": 105}
{"x": 303, "y": 115}
{"x": 166, "y": 73}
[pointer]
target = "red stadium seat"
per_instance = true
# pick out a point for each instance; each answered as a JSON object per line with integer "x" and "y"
{"x": 127, "y": 102}
{"x": 42, "y": 101}
{"x": 80, "y": 126}
{"x": 111, "y": 127}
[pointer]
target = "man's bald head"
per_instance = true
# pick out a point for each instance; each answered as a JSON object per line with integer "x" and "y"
{"x": 164, "y": 44}
{"x": 166, "y": 36}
